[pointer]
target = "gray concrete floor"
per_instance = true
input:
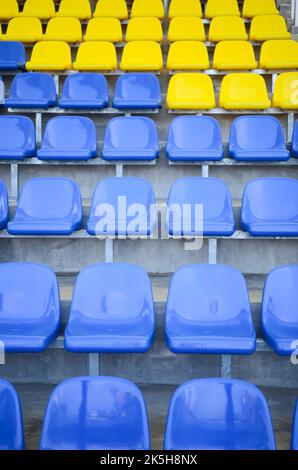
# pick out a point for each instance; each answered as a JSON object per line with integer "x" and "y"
{"x": 34, "y": 399}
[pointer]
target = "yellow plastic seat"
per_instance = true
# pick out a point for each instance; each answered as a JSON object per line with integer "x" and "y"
{"x": 96, "y": 55}
{"x": 285, "y": 94}
{"x": 80, "y": 9}
{"x": 185, "y": 8}
{"x": 42, "y": 9}
{"x": 253, "y": 8}
{"x": 222, "y": 8}
{"x": 244, "y": 91}
{"x": 266, "y": 27}
{"x": 227, "y": 28}
{"x": 190, "y": 91}
{"x": 148, "y": 8}
{"x": 8, "y": 9}
{"x": 234, "y": 55}
{"x": 186, "y": 28}
{"x": 279, "y": 54}
{"x": 63, "y": 29}
{"x": 24, "y": 30}
{"x": 188, "y": 55}
{"x": 142, "y": 55}
{"x": 111, "y": 9}
{"x": 104, "y": 29}
{"x": 50, "y": 55}
{"x": 144, "y": 29}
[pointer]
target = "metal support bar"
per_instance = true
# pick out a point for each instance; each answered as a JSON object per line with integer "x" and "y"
{"x": 205, "y": 171}
{"x": 119, "y": 170}
{"x": 14, "y": 181}
{"x": 226, "y": 366}
{"x": 290, "y": 127}
{"x": 109, "y": 250}
{"x": 212, "y": 254}
{"x": 56, "y": 80}
{"x": 274, "y": 77}
{"x": 38, "y": 127}
{"x": 93, "y": 364}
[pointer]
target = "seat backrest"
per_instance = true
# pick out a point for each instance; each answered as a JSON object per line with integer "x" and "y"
{"x": 143, "y": 8}
{"x": 85, "y": 86}
{"x": 11, "y": 422}
{"x": 111, "y": 9}
{"x": 95, "y": 52}
{"x": 43, "y": 10}
{"x": 68, "y": 25}
{"x": 227, "y": 28}
{"x": 79, "y": 9}
{"x": 183, "y": 28}
{"x": 244, "y": 91}
{"x": 257, "y": 133}
{"x": 218, "y": 414}
{"x": 93, "y": 413}
{"x": 131, "y": 132}
{"x": 33, "y": 85}
{"x": 12, "y": 54}
{"x": 51, "y": 52}
{"x": 264, "y": 25}
{"x": 137, "y": 86}
{"x": 234, "y": 53}
{"x": 104, "y": 29}
{"x": 285, "y": 94}
{"x": 144, "y": 28}
{"x": 17, "y": 132}
{"x": 252, "y": 8}
{"x": 222, "y": 8}
{"x": 22, "y": 26}
{"x": 194, "y": 132}
{"x": 185, "y": 8}
{"x": 9, "y": 9}
{"x": 190, "y": 91}
{"x": 69, "y": 132}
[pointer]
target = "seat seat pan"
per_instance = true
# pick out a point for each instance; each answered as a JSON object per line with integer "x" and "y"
{"x": 130, "y": 154}
{"x": 211, "y": 344}
{"x": 41, "y": 227}
{"x": 63, "y": 154}
{"x": 195, "y": 155}
{"x": 83, "y": 104}
{"x": 272, "y": 229}
{"x": 41, "y": 103}
{"x": 263, "y": 155}
{"x": 105, "y": 343}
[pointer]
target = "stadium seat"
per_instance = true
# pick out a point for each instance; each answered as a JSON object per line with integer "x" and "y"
{"x": 252, "y": 8}
{"x": 17, "y": 138}
{"x": 43, "y": 10}
{"x": 213, "y": 195}
{"x": 80, "y": 9}
{"x": 218, "y": 414}
{"x": 50, "y": 55}
{"x": 194, "y": 138}
{"x": 190, "y": 91}
{"x": 266, "y": 27}
{"x": 25, "y": 30}
{"x": 63, "y": 29}
{"x": 32, "y": 90}
{"x": 279, "y": 321}
{"x": 12, "y": 55}
{"x": 279, "y": 54}
{"x": 285, "y": 94}
{"x": 85, "y": 91}
{"x": 188, "y": 55}
{"x": 4, "y": 209}
{"x": 48, "y": 206}
{"x": 143, "y": 8}
{"x": 11, "y": 422}
{"x": 270, "y": 207}
{"x": 137, "y": 91}
{"x": 128, "y": 306}
{"x": 191, "y": 8}
{"x": 130, "y": 138}
{"x": 104, "y": 29}
{"x": 186, "y": 28}
{"x": 222, "y": 8}
{"x": 203, "y": 314}
{"x": 144, "y": 29}
{"x": 111, "y": 9}
{"x": 30, "y": 311}
{"x": 96, "y": 413}
{"x": 96, "y": 55}
{"x": 8, "y": 9}
{"x": 258, "y": 138}
{"x": 294, "y": 145}
{"x": 234, "y": 55}
{"x": 294, "y": 441}
{"x": 244, "y": 91}
{"x": 142, "y": 55}
{"x": 68, "y": 138}
{"x": 108, "y": 216}
{"x": 227, "y": 28}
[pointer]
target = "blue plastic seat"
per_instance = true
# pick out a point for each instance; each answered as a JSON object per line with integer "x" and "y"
{"x": 218, "y": 414}
{"x": 208, "y": 312}
{"x": 11, "y": 421}
{"x": 32, "y": 90}
{"x": 69, "y": 138}
{"x": 137, "y": 91}
{"x": 130, "y": 138}
{"x": 122, "y": 206}
{"x": 210, "y": 193}
{"x": 85, "y": 91}
{"x": 12, "y": 55}
{"x": 279, "y": 320}
{"x": 194, "y": 138}
{"x": 294, "y": 442}
{"x": 48, "y": 206}
{"x": 96, "y": 413}
{"x": 17, "y": 138}
{"x": 270, "y": 207}
{"x": 112, "y": 310}
{"x": 258, "y": 138}
{"x": 4, "y": 208}
{"x": 30, "y": 307}
{"x": 294, "y": 147}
